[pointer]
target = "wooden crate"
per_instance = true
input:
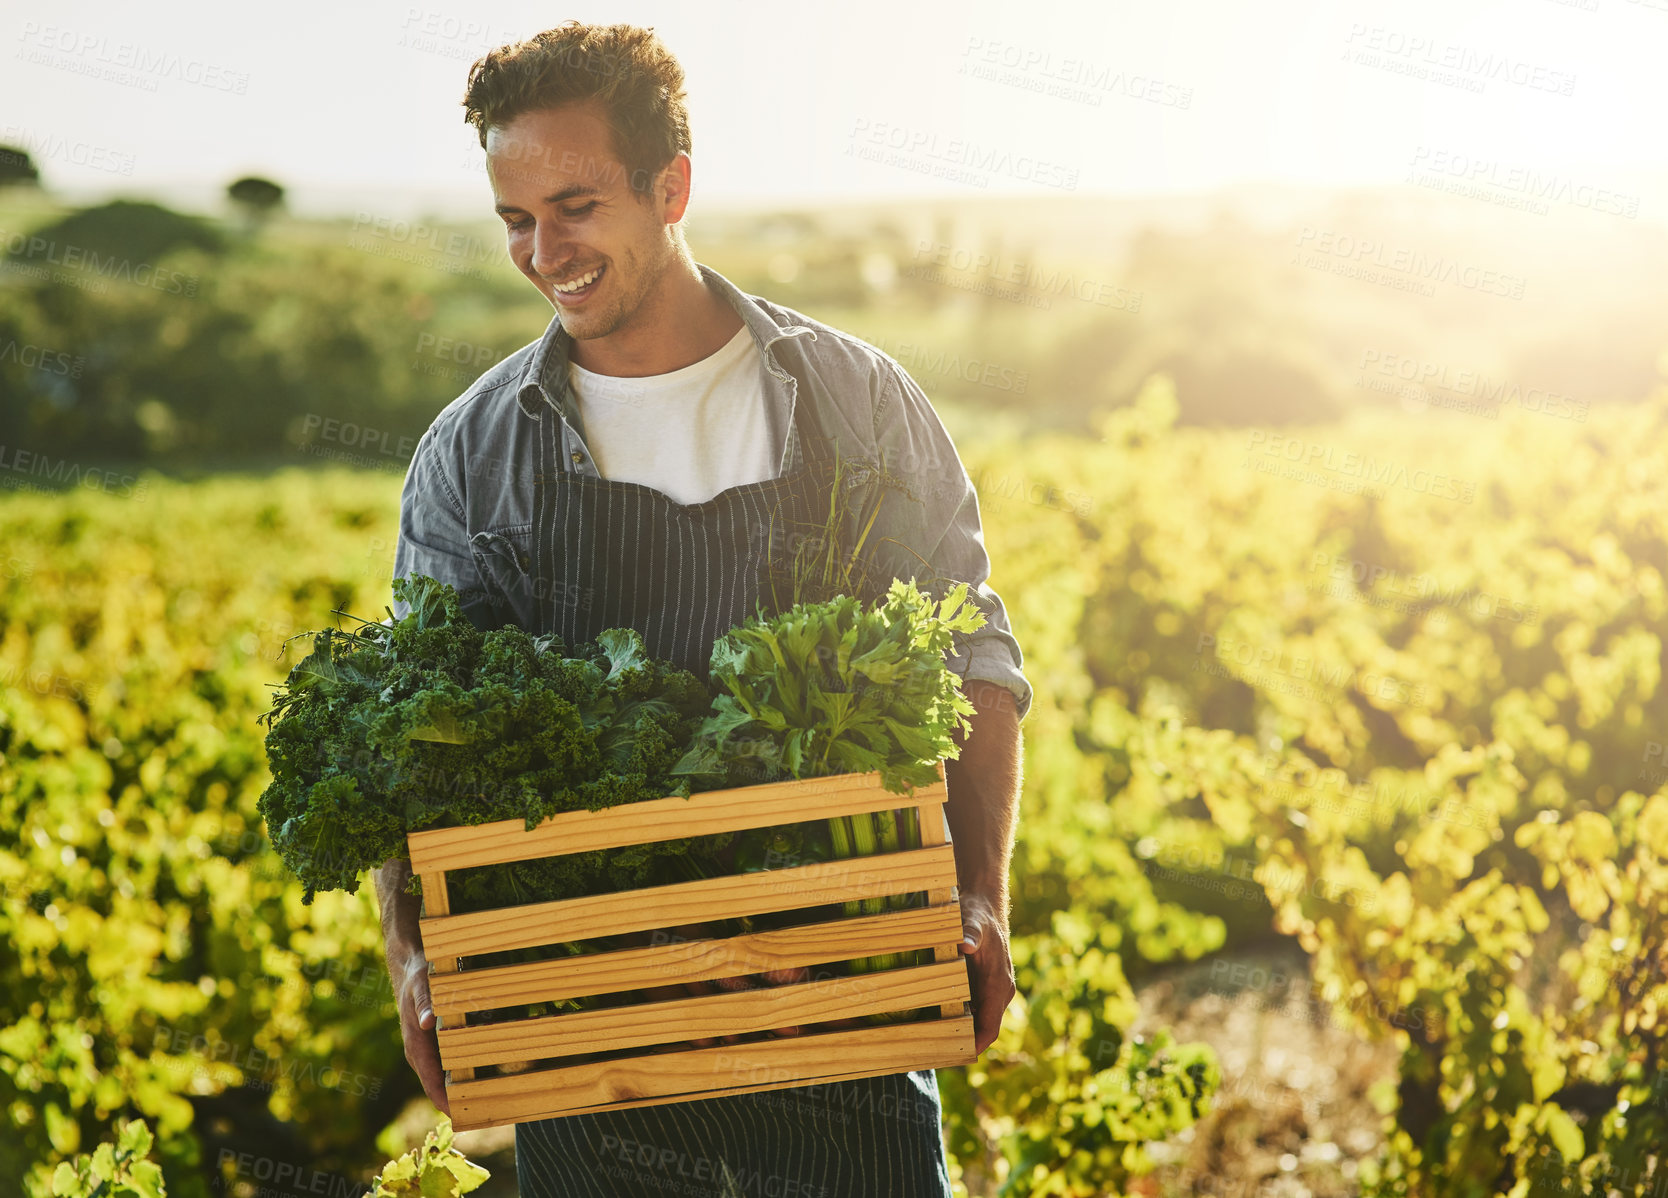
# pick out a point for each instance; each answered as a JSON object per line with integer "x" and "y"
{"x": 605, "y": 1058}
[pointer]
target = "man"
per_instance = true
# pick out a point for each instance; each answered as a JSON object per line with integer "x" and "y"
{"x": 624, "y": 470}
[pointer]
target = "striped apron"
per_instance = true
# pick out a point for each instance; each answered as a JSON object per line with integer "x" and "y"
{"x": 605, "y": 554}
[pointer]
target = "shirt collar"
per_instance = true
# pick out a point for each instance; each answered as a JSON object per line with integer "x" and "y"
{"x": 545, "y": 378}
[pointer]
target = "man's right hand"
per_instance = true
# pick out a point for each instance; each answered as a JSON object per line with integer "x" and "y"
{"x": 408, "y": 972}
{"x": 417, "y": 1026}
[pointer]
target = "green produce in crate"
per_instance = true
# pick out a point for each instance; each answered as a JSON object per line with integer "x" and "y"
{"x": 428, "y": 721}
{"x": 836, "y": 687}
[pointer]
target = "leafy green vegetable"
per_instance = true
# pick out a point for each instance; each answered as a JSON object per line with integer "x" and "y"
{"x": 428, "y": 721}
{"x": 434, "y": 1169}
{"x": 834, "y": 687}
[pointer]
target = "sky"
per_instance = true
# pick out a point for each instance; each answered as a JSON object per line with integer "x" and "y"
{"x": 349, "y": 103}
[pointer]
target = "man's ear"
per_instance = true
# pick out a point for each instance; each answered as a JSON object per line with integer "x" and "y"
{"x": 672, "y": 187}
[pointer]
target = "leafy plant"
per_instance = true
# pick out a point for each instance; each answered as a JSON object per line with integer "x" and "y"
{"x": 427, "y": 721}
{"x": 832, "y": 688}
{"x": 114, "y": 1170}
{"x": 434, "y": 1169}
{"x": 836, "y": 687}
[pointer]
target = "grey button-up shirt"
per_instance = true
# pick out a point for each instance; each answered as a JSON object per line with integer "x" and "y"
{"x": 471, "y": 477}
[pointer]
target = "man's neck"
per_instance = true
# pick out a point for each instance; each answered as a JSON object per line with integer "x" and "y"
{"x": 679, "y": 324}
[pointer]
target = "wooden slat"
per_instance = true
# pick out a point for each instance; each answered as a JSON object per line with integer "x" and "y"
{"x": 659, "y": 819}
{"x": 533, "y": 924}
{"x": 694, "y": 960}
{"x": 654, "y": 1079}
{"x": 728, "y": 1013}
{"x": 935, "y": 832}
{"x": 437, "y": 902}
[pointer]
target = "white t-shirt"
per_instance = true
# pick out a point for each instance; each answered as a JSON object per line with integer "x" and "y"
{"x": 690, "y": 433}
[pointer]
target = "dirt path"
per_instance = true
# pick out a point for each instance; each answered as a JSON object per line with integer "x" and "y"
{"x": 1292, "y": 1117}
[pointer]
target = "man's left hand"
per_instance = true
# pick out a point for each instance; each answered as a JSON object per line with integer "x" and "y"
{"x": 984, "y": 945}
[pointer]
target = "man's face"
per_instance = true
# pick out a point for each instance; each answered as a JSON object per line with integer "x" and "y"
{"x": 570, "y": 213}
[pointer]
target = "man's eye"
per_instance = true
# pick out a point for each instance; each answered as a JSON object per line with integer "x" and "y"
{"x": 578, "y": 212}
{"x": 517, "y": 224}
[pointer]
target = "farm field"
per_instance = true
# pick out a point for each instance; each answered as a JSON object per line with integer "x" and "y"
{"x": 1356, "y": 725}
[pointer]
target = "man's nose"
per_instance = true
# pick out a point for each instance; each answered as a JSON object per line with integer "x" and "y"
{"x": 552, "y": 250}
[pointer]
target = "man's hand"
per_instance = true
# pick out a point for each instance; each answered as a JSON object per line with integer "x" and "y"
{"x": 982, "y": 808}
{"x": 408, "y": 971}
{"x": 417, "y": 1026}
{"x": 990, "y": 969}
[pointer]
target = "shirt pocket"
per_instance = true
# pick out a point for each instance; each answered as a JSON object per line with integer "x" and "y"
{"x": 504, "y": 558}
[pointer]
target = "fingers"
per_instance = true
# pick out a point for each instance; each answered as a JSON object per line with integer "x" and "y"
{"x": 420, "y": 1031}
{"x": 422, "y": 1052}
{"x": 991, "y": 987}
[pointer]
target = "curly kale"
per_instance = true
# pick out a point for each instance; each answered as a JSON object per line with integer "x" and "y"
{"x": 428, "y": 721}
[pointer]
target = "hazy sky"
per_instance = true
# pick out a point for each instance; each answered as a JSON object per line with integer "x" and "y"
{"x": 873, "y": 98}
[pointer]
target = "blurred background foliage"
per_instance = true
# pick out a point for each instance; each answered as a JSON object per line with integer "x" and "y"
{"x": 1404, "y": 739}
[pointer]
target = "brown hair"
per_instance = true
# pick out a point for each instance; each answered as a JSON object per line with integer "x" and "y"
{"x": 627, "y": 68}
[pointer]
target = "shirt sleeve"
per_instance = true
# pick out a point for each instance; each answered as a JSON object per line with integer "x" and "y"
{"x": 434, "y": 537}
{"x": 944, "y": 526}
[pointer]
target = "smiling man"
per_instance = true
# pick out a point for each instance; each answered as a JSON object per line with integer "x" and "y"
{"x": 632, "y": 468}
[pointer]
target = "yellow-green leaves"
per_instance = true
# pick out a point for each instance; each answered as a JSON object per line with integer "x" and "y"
{"x": 434, "y": 1169}
{"x": 118, "y": 1170}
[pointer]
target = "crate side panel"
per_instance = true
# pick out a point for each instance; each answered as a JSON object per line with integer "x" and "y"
{"x": 609, "y": 1029}
{"x": 658, "y": 819}
{"x": 695, "y": 960}
{"x": 657, "y": 1078}
{"x": 533, "y": 924}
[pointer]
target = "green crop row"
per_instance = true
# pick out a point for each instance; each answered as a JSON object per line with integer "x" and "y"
{"x": 1390, "y": 690}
